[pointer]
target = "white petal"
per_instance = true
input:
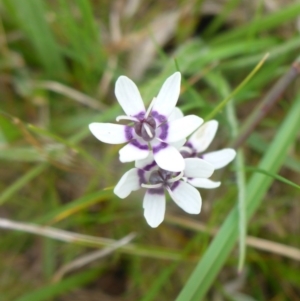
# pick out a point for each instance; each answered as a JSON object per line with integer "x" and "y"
{"x": 154, "y": 208}
{"x": 168, "y": 95}
{"x": 134, "y": 150}
{"x": 146, "y": 163}
{"x": 176, "y": 114}
{"x": 111, "y": 133}
{"x": 202, "y": 138}
{"x": 220, "y": 158}
{"x": 178, "y": 144}
{"x": 186, "y": 197}
{"x": 168, "y": 157}
{"x": 180, "y": 128}
{"x": 129, "y": 96}
{"x": 128, "y": 183}
{"x": 197, "y": 168}
{"x": 204, "y": 183}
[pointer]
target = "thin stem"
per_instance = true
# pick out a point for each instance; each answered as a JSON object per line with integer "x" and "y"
{"x": 267, "y": 103}
{"x": 91, "y": 257}
{"x": 221, "y": 105}
{"x": 251, "y": 241}
{"x": 69, "y": 92}
{"x": 241, "y": 183}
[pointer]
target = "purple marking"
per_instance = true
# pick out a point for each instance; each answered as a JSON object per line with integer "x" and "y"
{"x": 164, "y": 131}
{"x": 159, "y": 190}
{"x": 141, "y": 174}
{"x": 174, "y": 185}
{"x": 140, "y": 146}
{"x": 186, "y": 154}
{"x": 159, "y": 147}
{"x": 140, "y": 116}
{"x": 150, "y": 166}
{"x": 160, "y": 118}
{"x": 189, "y": 144}
{"x": 128, "y": 132}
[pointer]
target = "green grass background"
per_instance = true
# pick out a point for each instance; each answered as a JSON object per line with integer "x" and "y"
{"x": 58, "y": 64}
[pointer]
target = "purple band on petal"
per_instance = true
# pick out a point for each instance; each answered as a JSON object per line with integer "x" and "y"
{"x": 160, "y": 118}
{"x": 186, "y": 154}
{"x": 128, "y": 133}
{"x": 174, "y": 185}
{"x": 189, "y": 144}
{"x": 159, "y": 147}
{"x": 164, "y": 131}
{"x": 140, "y": 116}
{"x": 159, "y": 190}
{"x": 150, "y": 166}
{"x": 140, "y": 146}
{"x": 141, "y": 174}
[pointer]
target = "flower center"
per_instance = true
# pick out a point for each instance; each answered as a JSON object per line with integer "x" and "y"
{"x": 145, "y": 128}
{"x": 164, "y": 177}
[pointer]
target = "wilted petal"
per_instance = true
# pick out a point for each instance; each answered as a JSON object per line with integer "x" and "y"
{"x": 168, "y": 95}
{"x": 197, "y": 168}
{"x": 176, "y": 114}
{"x": 180, "y": 128}
{"x": 154, "y": 208}
{"x": 129, "y": 96}
{"x": 167, "y": 157}
{"x": 134, "y": 150}
{"x": 204, "y": 183}
{"x": 111, "y": 133}
{"x": 220, "y": 158}
{"x": 186, "y": 197}
{"x": 202, "y": 138}
{"x": 128, "y": 183}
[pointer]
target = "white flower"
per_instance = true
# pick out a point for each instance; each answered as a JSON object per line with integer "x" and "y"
{"x": 198, "y": 143}
{"x": 155, "y": 129}
{"x": 147, "y": 174}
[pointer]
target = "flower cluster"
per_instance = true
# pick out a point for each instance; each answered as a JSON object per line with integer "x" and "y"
{"x": 156, "y": 141}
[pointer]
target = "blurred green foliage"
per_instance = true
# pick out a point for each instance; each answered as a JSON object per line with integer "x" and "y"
{"x": 58, "y": 64}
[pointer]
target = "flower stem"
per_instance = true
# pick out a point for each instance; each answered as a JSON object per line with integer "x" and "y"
{"x": 221, "y": 105}
{"x": 267, "y": 103}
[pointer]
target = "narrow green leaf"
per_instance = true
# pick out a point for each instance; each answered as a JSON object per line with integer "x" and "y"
{"x": 272, "y": 175}
{"x": 31, "y": 15}
{"x": 218, "y": 251}
{"x": 21, "y": 182}
{"x": 222, "y": 104}
{"x": 288, "y": 13}
{"x": 56, "y": 289}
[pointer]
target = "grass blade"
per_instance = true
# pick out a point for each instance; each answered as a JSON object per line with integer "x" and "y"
{"x": 56, "y": 289}
{"x": 31, "y": 17}
{"x": 22, "y": 181}
{"x": 218, "y": 251}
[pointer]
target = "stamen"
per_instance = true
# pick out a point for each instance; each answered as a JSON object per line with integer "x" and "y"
{"x": 124, "y": 117}
{"x": 149, "y": 186}
{"x": 177, "y": 178}
{"x": 150, "y": 107}
{"x": 186, "y": 149}
{"x": 147, "y": 128}
{"x": 185, "y": 179}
